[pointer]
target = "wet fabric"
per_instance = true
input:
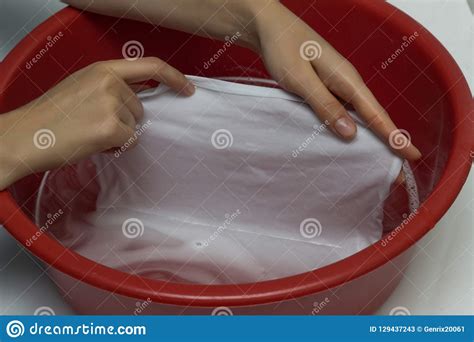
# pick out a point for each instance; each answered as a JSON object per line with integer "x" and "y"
{"x": 237, "y": 183}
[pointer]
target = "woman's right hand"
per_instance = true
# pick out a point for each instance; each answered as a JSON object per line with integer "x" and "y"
{"x": 93, "y": 110}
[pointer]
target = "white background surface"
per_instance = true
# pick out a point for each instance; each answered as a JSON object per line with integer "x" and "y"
{"x": 440, "y": 278}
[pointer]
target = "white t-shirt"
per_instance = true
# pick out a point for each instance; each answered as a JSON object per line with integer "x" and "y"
{"x": 237, "y": 183}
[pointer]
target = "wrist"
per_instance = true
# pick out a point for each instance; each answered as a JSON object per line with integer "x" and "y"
{"x": 10, "y": 164}
{"x": 18, "y": 155}
{"x": 255, "y": 14}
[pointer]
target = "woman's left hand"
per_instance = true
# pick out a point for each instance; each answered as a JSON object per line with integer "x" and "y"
{"x": 302, "y": 62}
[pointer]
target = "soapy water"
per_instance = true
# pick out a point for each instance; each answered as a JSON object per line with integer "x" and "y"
{"x": 411, "y": 187}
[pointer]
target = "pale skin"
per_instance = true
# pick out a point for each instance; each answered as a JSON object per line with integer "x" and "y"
{"x": 96, "y": 109}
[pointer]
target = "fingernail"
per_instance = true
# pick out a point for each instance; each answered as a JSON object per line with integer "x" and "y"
{"x": 189, "y": 89}
{"x": 345, "y": 127}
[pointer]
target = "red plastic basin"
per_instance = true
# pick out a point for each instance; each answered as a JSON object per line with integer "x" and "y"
{"x": 422, "y": 88}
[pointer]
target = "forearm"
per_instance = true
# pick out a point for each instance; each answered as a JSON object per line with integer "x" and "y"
{"x": 208, "y": 18}
{"x": 11, "y": 166}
